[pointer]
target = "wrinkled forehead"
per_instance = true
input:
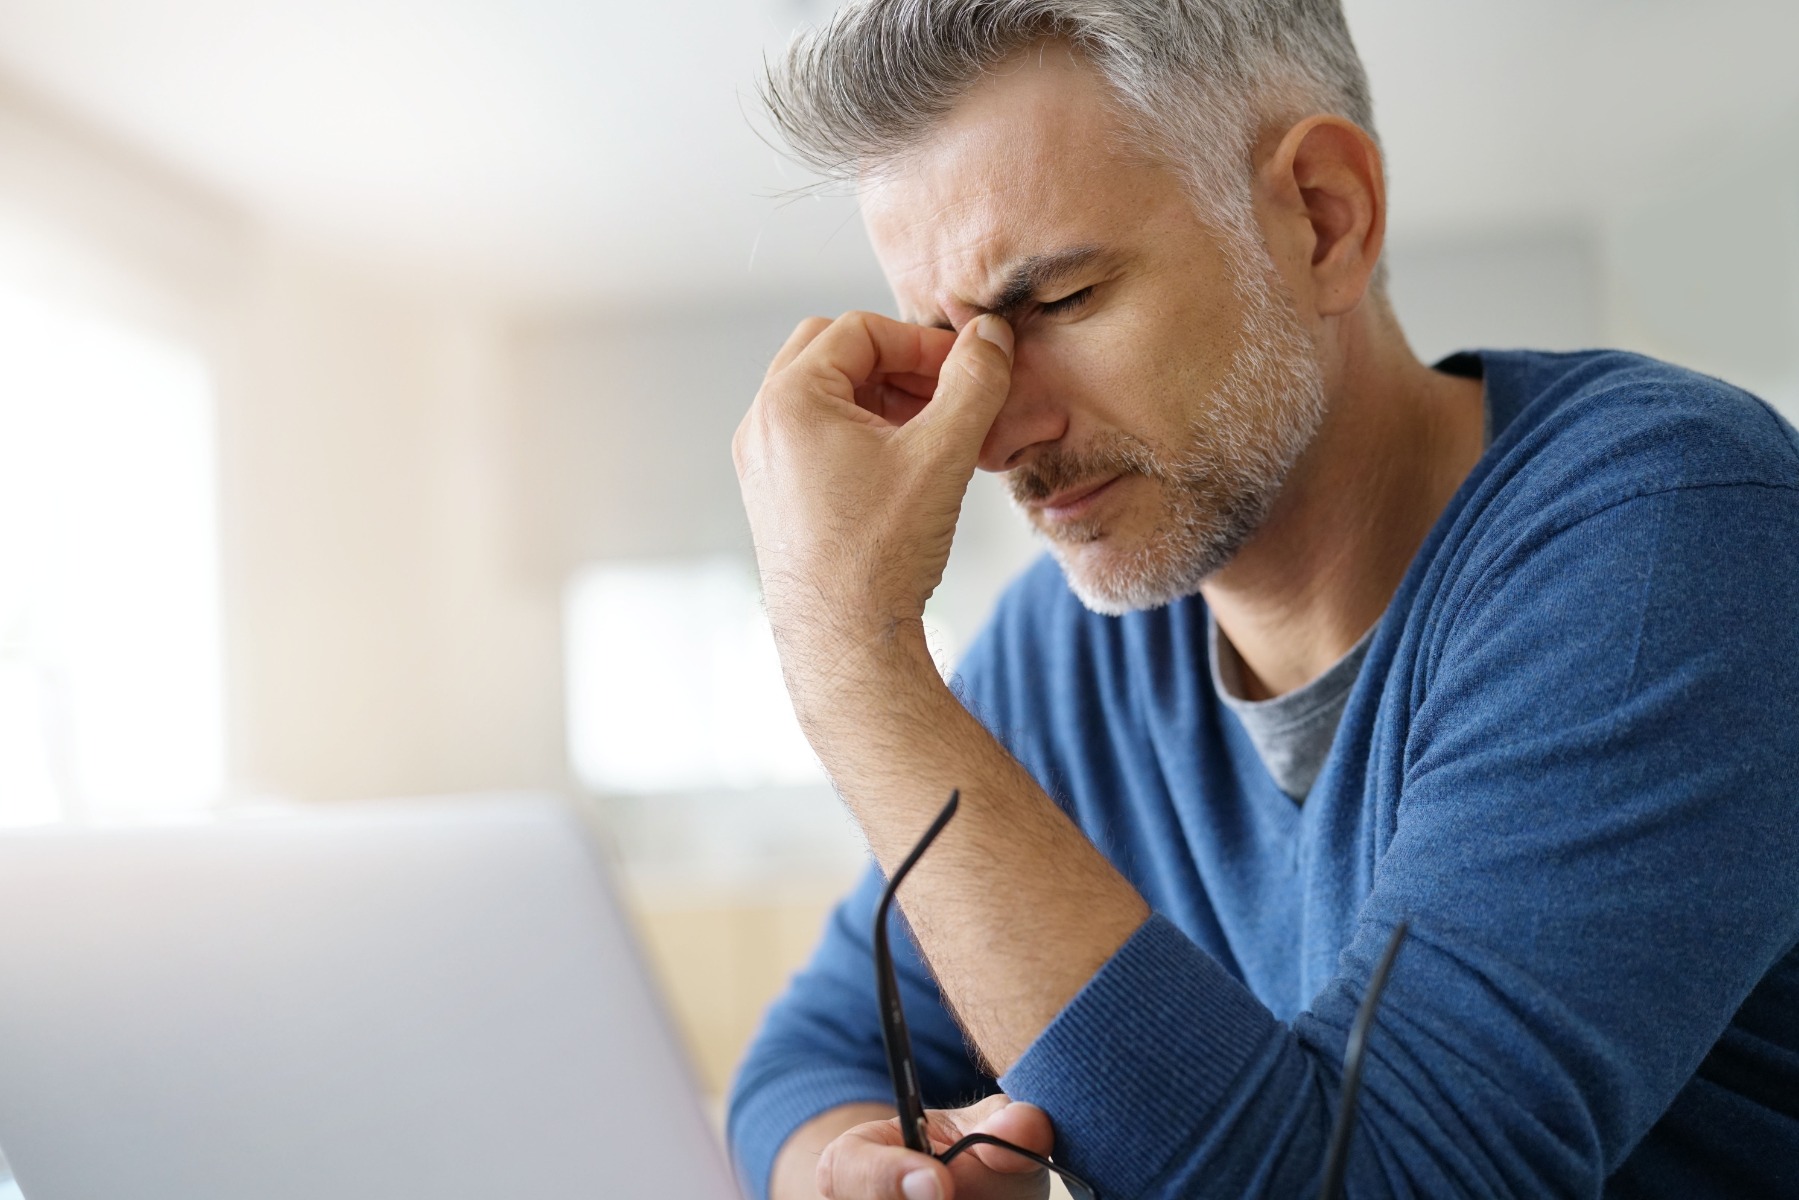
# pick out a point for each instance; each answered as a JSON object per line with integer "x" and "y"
{"x": 1036, "y": 158}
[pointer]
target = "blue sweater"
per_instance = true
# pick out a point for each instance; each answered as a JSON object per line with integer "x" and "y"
{"x": 1571, "y": 760}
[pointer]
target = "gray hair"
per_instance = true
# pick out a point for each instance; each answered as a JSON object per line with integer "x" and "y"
{"x": 1198, "y": 79}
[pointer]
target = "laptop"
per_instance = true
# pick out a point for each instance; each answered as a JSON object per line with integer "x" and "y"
{"x": 411, "y": 1000}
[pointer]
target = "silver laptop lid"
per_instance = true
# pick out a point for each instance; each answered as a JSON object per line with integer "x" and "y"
{"x": 431, "y": 999}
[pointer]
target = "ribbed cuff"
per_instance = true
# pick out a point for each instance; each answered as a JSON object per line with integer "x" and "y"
{"x": 1135, "y": 1067}
{"x": 762, "y": 1122}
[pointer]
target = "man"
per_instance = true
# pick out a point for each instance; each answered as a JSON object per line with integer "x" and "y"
{"x": 1330, "y": 640}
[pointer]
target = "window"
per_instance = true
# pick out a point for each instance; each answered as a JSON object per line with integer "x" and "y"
{"x": 111, "y": 701}
{"x": 674, "y": 683}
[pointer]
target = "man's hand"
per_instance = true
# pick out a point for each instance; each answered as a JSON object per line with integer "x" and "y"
{"x": 854, "y": 460}
{"x": 871, "y": 1162}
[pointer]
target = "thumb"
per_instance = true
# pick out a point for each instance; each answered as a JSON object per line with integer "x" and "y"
{"x": 972, "y": 383}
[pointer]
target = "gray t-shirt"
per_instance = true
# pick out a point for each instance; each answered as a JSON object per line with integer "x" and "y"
{"x": 1292, "y": 733}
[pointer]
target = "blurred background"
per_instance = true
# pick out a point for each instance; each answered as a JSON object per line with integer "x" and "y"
{"x": 368, "y": 369}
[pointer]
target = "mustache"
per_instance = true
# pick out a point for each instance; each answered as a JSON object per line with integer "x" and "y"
{"x": 1056, "y": 469}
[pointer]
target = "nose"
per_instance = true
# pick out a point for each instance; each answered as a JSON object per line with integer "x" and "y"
{"x": 1032, "y": 418}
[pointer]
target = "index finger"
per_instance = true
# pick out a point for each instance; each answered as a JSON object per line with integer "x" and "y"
{"x": 860, "y": 345}
{"x": 796, "y": 341}
{"x": 871, "y": 1162}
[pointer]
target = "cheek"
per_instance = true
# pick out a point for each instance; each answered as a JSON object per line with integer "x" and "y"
{"x": 1107, "y": 376}
{"x": 1073, "y": 375}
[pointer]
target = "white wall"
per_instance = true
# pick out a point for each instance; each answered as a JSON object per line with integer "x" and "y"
{"x": 385, "y": 636}
{"x": 380, "y": 635}
{"x": 1536, "y": 288}
{"x": 1698, "y": 264}
{"x": 1704, "y": 268}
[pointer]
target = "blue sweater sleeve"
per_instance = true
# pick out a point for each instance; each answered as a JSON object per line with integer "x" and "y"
{"x": 1596, "y": 842}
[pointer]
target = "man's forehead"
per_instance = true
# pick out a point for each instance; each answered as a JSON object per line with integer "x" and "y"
{"x": 956, "y": 227}
{"x": 961, "y": 247}
{"x": 1032, "y": 162}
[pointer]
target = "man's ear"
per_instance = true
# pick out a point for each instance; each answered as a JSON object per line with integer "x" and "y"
{"x": 1323, "y": 201}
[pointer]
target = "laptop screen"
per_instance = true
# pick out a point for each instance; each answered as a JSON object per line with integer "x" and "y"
{"x": 438, "y": 999}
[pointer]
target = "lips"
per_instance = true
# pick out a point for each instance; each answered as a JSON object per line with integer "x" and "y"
{"x": 1071, "y": 502}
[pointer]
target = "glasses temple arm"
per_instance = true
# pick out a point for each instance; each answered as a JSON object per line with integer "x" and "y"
{"x": 894, "y": 1036}
{"x": 1336, "y": 1159}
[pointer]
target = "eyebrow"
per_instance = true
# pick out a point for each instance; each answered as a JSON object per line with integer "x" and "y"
{"x": 1030, "y": 276}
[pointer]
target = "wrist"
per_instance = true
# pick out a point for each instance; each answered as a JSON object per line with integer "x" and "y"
{"x": 852, "y": 671}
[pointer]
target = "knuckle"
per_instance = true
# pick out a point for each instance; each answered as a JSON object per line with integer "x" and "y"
{"x": 799, "y": 343}
{"x": 772, "y": 395}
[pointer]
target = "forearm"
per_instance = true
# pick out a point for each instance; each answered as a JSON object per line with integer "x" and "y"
{"x": 796, "y": 1165}
{"x": 854, "y": 460}
{"x": 1013, "y": 907}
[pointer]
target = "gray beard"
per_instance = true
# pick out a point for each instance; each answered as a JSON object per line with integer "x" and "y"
{"x": 1219, "y": 484}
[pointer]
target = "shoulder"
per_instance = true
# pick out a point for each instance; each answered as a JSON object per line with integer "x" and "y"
{"x": 1576, "y": 433}
{"x": 1618, "y": 492}
{"x": 1578, "y": 436}
{"x": 1627, "y": 514}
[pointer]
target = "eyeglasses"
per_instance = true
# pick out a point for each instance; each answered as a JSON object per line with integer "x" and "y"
{"x": 900, "y": 1063}
{"x": 903, "y": 1068}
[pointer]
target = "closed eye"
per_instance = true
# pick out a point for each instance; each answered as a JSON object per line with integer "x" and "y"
{"x": 1066, "y": 304}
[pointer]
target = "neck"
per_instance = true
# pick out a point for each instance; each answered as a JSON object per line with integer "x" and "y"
{"x": 1396, "y": 442}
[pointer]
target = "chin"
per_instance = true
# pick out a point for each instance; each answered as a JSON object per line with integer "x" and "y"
{"x": 1113, "y": 581}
